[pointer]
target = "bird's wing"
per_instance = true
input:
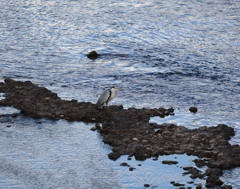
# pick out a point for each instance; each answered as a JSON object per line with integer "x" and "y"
{"x": 103, "y": 98}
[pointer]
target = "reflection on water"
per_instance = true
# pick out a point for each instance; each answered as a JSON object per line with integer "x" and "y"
{"x": 46, "y": 154}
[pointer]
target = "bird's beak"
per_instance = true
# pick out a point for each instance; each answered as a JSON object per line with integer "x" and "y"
{"x": 119, "y": 88}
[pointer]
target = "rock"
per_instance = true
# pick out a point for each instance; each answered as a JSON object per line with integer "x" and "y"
{"x": 195, "y": 173}
{"x": 140, "y": 153}
{"x": 169, "y": 162}
{"x": 131, "y": 168}
{"x": 226, "y": 187}
{"x": 146, "y": 185}
{"x": 113, "y": 155}
{"x": 124, "y": 164}
{"x": 214, "y": 171}
{"x": 199, "y": 162}
{"x": 93, "y": 128}
{"x": 92, "y": 55}
{"x": 199, "y": 186}
{"x": 193, "y": 109}
{"x": 178, "y": 184}
{"x": 213, "y": 180}
{"x": 14, "y": 115}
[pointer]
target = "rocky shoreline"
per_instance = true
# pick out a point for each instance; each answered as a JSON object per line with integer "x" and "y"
{"x": 128, "y": 130}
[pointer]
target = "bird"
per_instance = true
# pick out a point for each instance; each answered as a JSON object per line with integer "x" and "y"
{"x": 107, "y": 96}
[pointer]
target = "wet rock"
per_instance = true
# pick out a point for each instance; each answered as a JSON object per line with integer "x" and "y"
{"x": 113, "y": 155}
{"x": 193, "y": 109}
{"x": 169, "y": 162}
{"x": 212, "y": 181}
{"x": 124, "y": 164}
{"x": 214, "y": 171}
{"x": 195, "y": 173}
{"x": 178, "y": 184}
{"x": 93, "y": 128}
{"x": 226, "y": 187}
{"x": 199, "y": 162}
{"x": 131, "y": 168}
{"x": 140, "y": 153}
{"x": 146, "y": 185}
{"x": 92, "y": 55}
{"x": 199, "y": 186}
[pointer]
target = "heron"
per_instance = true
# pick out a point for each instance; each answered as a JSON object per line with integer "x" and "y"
{"x": 107, "y": 96}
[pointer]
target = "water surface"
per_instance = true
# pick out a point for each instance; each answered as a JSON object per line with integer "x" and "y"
{"x": 164, "y": 54}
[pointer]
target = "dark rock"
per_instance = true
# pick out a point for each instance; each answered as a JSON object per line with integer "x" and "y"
{"x": 195, "y": 173}
{"x": 209, "y": 185}
{"x": 169, "y": 162}
{"x": 131, "y": 168}
{"x": 199, "y": 186}
{"x": 93, "y": 128}
{"x": 14, "y": 115}
{"x": 8, "y": 80}
{"x": 177, "y": 184}
{"x": 113, "y": 155}
{"x": 199, "y": 162}
{"x": 92, "y": 55}
{"x": 226, "y": 187}
{"x": 213, "y": 180}
{"x": 214, "y": 171}
{"x": 124, "y": 164}
{"x": 146, "y": 185}
{"x": 193, "y": 109}
{"x": 140, "y": 153}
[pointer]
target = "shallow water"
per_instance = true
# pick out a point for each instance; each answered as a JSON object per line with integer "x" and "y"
{"x": 59, "y": 154}
{"x": 164, "y": 54}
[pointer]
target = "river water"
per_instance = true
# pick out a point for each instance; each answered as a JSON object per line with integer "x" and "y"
{"x": 162, "y": 53}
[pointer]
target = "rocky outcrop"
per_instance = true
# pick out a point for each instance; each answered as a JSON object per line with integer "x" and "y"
{"x": 128, "y": 130}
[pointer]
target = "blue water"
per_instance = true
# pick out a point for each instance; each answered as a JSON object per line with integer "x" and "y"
{"x": 162, "y": 53}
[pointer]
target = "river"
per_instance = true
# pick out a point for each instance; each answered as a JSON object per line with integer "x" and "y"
{"x": 162, "y": 53}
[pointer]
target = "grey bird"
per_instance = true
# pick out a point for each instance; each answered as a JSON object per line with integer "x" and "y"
{"x": 107, "y": 96}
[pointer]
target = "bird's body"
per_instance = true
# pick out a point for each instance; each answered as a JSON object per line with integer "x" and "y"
{"x": 107, "y": 96}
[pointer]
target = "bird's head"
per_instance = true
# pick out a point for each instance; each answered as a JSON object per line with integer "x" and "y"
{"x": 115, "y": 88}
